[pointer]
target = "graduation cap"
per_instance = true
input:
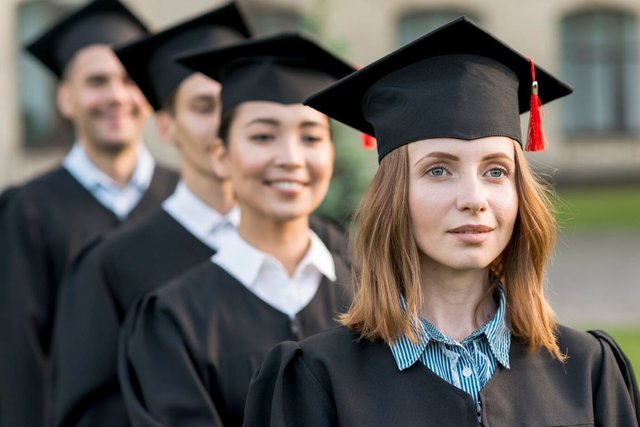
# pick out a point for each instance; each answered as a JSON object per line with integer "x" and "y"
{"x": 149, "y": 61}
{"x": 458, "y": 81}
{"x": 285, "y": 68}
{"x": 99, "y": 22}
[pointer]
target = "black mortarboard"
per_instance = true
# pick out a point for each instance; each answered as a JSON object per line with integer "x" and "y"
{"x": 99, "y": 22}
{"x": 149, "y": 61}
{"x": 458, "y": 81}
{"x": 284, "y": 68}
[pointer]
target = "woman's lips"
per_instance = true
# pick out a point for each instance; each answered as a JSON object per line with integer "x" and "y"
{"x": 471, "y": 233}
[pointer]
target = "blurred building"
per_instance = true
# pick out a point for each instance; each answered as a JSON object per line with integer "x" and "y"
{"x": 594, "y": 135}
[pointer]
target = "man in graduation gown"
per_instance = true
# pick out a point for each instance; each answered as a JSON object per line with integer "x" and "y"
{"x": 109, "y": 177}
{"x": 186, "y": 230}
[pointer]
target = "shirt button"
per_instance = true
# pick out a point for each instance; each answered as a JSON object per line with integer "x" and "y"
{"x": 466, "y": 372}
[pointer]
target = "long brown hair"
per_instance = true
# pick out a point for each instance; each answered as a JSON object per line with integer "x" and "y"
{"x": 386, "y": 260}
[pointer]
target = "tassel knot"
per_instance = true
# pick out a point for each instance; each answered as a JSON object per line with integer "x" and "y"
{"x": 536, "y": 140}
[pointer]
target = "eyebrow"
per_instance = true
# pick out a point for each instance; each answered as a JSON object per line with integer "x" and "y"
{"x": 448, "y": 156}
{"x": 265, "y": 121}
{"x": 310, "y": 123}
{"x": 273, "y": 122}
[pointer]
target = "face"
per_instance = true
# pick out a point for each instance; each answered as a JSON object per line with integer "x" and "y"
{"x": 193, "y": 124}
{"x": 107, "y": 109}
{"x": 462, "y": 200}
{"x": 280, "y": 159}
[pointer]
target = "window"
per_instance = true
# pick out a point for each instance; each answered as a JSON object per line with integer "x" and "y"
{"x": 42, "y": 125}
{"x": 599, "y": 50}
{"x": 418, "y": 23}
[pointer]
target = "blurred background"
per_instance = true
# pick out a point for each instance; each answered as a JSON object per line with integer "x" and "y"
{"x": 593, "y": 158}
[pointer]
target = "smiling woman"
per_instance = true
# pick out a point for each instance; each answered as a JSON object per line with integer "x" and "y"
{"x": 273, "y": 280}
{"x": 287, "y": 174}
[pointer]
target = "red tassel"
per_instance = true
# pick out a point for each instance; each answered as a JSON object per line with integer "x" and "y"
{"x": 368, "y": 141}
{"x": 535, "y": 136}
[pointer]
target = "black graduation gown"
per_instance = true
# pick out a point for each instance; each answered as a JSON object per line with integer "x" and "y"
{"x": 187, "y": 357}
{"x": 333, "y": 379}
{"x": 96, "y": 296}
{"x": 92, "y": 305}
{"x": 48, "y": 222}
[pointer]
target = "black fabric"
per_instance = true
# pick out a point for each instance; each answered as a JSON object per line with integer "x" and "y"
{"x": 285, "y": 68}
{"x": 47, "y": 223}
{"x": 91, "y": 308}
{"x": 333, "y": 379}
{"x": 467, "y": 97}
{"x": 625, "y": 368}
{"x": 6, "y": 195}
{"x": 95, "y": 298}
{"x": 149, "y": 61}
{"x": 350, "y": 100}
{"x": 99, "y": 22}
{"x": 187, "y": 355}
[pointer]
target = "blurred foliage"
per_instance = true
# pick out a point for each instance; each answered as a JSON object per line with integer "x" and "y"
{"x": 353, "y": 170}
{"x": 354, "y": 165}
{"x": 599, "y": 208}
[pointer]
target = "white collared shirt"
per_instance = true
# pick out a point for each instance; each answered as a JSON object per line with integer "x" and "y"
{"x": 267, "y": 278}
{"x": 204, "y": 222}
{"x": 118, "y": 199}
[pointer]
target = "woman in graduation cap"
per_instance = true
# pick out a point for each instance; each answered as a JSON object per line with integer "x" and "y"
{"x": 449, "y": 325}
{"x": 189, "y": 352}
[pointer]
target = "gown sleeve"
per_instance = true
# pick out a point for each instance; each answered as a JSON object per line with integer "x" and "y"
{"x": 285, "y": 392}
{"x": 617, "y": 398}
{"x": 160, "y": 377}
{"x": 26, "y": 295}
{"x": 84, "y": 387}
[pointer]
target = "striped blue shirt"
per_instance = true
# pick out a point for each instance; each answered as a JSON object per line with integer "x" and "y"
{"x": 467, "y": 365}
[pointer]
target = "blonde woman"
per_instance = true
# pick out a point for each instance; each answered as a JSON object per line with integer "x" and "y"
{"x": 450, "y": 325}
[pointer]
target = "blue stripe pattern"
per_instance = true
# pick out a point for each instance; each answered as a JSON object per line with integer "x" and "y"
{"x": 468, "y": 365}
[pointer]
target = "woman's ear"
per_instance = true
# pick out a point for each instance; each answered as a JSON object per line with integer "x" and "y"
{"x": 166, "y": 127}
{"x": 220, "y": 162}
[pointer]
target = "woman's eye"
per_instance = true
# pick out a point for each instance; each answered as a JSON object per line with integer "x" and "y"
{"x": 311, "y": 138}
{"x": 497, "y": 173}
{"x": 437, "y": 171}
{"x": 261, "y": 137}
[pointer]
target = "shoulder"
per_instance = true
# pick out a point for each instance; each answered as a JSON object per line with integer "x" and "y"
{"x": 43, "y": 187}
{"x": 138, "y": 233}
{"x": 578, "y": 344}
{"x": 51, "y": 180}
{"x": 335, "y": 349}
{"x": 114, "y": 246}
{"x": 196, "y": 291}
{"x": 187, "y": 303}
{"x": 318, "y": 349}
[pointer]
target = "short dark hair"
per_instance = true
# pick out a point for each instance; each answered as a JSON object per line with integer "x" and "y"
{"x": 225, "y": 124}
{"x": 169, "y": 104}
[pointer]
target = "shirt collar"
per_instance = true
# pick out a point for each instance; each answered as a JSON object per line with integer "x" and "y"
{"x": 80, "y": 166}
{"x": 197, "y": 217}
{"x": 497, "y": 333}
{"x": 406, "y": 353}
{"x": 244, "y": 261}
